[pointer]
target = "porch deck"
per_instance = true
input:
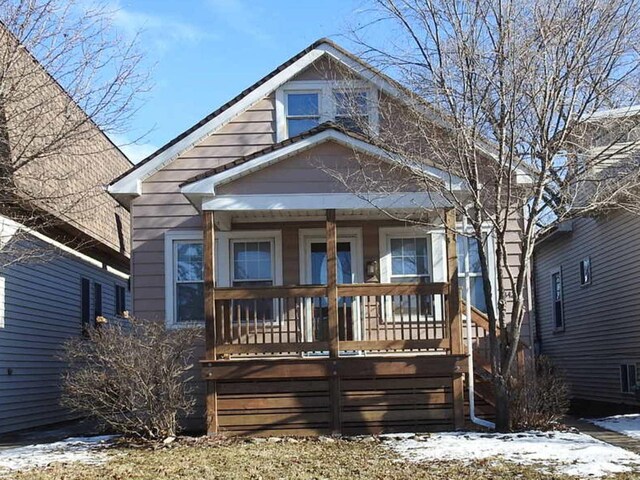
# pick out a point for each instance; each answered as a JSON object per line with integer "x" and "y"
{"x": 334, "y": 358}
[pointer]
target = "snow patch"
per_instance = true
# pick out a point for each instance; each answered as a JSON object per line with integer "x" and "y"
{"x": 628, "y": 425}
{"x": 569, "y": 453}
{"x": 73, "y": 449}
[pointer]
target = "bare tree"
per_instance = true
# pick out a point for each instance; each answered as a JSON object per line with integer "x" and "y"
{"x": 64, "y": 74}
{"x": 504, "y": 96}
{"x": 134, "y": 377}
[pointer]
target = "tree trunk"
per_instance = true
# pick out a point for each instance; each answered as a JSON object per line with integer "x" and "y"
{"x": 503, "y": 417}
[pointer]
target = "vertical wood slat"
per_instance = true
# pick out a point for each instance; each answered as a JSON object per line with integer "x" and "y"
{"x": 454, "y": 316}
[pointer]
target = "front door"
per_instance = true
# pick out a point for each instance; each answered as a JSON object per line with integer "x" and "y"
{"x": 314, "y": 271}
{"x": 318, "y": 270}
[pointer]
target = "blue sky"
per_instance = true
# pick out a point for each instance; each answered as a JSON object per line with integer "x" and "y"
{"x": 205, "y": 52}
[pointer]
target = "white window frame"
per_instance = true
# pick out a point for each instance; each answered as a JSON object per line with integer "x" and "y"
{"x": 307, "y": 236}
{"x": 491, "y": 260}
{"x": 631, "y": 389}
{"x": 437, "y": 267}
{"x": 170, "y": 239}
{"x": 320, "y": 115}
{"x": 581, "y": 268}
{"x": 222, "y": 265}
{"x": 277, "y": 315}
{"x": 553, "y": 273}
{"x": 2, "y": 301}
{"x": 326, "y": 102}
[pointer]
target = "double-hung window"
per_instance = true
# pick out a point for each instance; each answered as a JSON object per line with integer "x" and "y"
{"x": 556, "y": 298}
{"x": 411, "y": 262}
{"x": 188, "y": 281}
{"x": 252, "y": 265}
{"x": 476, "y": 282}
{"x": 303, "y": 111}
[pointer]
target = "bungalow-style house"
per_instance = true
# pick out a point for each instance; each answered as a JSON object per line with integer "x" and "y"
{"x": 321, "y": 313}
{"x": 587, "y": 284}
{"x": 59, "y": 275}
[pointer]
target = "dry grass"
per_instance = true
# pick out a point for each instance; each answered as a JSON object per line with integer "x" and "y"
{"x": 284, "y": 460}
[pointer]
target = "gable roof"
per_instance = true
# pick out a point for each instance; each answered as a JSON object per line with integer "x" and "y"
{"x": 129, "y": 183}
{"x": 204, "y": 185}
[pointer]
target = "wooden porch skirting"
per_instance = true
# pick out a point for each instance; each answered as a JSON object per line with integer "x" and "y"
{"x": 348, "y": 395}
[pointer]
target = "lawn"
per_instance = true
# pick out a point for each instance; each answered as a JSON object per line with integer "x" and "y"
{"x": 192, "y": 459}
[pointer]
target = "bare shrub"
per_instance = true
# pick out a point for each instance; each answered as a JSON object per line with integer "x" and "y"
{"x": 540, "y": 398}
{"x": 131, "y": 376}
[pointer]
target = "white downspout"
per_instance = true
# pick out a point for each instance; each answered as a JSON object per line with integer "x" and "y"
{"x": 470, "y": 374}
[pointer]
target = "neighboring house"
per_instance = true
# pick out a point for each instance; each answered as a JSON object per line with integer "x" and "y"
{"x": 587, "y": 295}
{"x": 69, "y": 274}
{"x": 320, "y": 312}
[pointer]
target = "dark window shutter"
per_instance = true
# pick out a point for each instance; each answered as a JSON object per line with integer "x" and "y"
{"x": 86, "y": 303}
{"x": 97, "y": 300}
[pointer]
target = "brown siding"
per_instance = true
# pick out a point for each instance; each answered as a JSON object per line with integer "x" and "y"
{"x": 162, "y": 207}
{"x": 602, "y": 320}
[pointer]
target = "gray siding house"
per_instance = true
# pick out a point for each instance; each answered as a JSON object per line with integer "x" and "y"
{"x": 81, "y": 265}
{"x": 587, "y": 281}
{"x": 587, "y": 287}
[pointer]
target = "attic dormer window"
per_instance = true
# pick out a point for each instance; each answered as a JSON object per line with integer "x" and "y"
{"x": 351, "y": 109}
{"x": 302, "y": 105}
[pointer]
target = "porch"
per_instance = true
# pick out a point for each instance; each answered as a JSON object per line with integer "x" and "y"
{"x": 335, "y": 357}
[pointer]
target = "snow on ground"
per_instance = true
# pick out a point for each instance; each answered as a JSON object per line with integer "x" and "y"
{"x": 73, "y": 449}
{"x": 570, "y": 453}
{"x": 628, "y": 425}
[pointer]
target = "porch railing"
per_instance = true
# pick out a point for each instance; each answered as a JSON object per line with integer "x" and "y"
{"x": 294, "y": 320}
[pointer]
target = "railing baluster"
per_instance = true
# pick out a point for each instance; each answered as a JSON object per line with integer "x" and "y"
{"x": 247, "y": 322}
{"x": 238, "y": 321}
{"x": 410, "y": 323}
{"x": 255, "y": 320}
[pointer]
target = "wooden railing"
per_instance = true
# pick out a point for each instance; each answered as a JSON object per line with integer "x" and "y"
{"x": 372, "y": 318}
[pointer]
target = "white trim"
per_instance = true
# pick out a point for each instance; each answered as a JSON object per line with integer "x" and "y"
{"x": 207, "y": 186}
{"x": 169, "y": 285}
{"x": 326, "y": 105}
{"x": 321, "y": 201}
{"x": 9, "y": 228}
{"x": 2, "y": 301}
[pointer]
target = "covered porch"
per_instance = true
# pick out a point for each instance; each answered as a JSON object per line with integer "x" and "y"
{"x": 359, "y": 351}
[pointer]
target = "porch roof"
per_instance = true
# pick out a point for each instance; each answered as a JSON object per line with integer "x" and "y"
{"x": 201, "y": 189}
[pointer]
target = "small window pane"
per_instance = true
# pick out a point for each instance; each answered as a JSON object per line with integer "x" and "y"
{"x": 478, "y": 299}
{"x": 252, "y": 261}
{"x": 632, "y": 377}
{"x": 409, "y": 256}
{"x": 189, "y": 262}
{"x": 585, "y": 271}
{"x": 303, "y": 104}
{"x": 624, "y": 378}
{"x": 474, "y": 256}
{"x": 296, "y": 126}
{"x": 351, "y": 103}
{"x": 190, "y": 302}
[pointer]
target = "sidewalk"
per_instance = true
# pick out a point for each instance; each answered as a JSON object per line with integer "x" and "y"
{"x": 608, "y": 436}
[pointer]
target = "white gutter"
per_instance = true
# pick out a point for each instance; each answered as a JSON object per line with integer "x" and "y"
{"x": 470, "y": 375}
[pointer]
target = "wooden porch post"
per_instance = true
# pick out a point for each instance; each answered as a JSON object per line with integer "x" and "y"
{"x": 332, "y": 313}
{"x": 210, "y": 317}
{"x": 455, "y": 316}
{"x": 332, "y": 287}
